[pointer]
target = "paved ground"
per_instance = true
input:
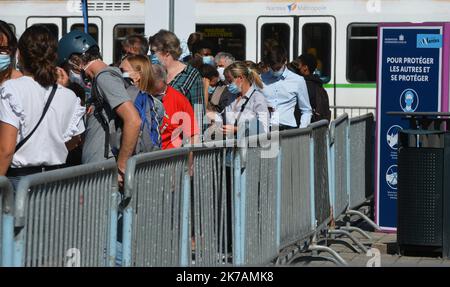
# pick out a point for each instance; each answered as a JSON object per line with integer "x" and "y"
{"x": 388, "y": 254}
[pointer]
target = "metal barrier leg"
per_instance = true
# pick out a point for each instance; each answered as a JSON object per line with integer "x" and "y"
{"x": 185, "y": 238}
{"x": 8, "y": 240}
{"x": 19, "y": 246}
{"x": 365, "y": 218}
{"x": 352, "y": 238}
{"x": 113, "y": 230}
{"x": 126, "y": 237}
{"x": 338, "y": 241}
{"x": 356, "y": 229}
{"x": 333, "y": 253}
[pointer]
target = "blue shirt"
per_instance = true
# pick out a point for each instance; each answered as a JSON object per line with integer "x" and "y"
{"x": 284, "y": 93}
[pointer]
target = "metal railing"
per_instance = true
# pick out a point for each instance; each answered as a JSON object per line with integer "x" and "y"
{"x": 321, "y": 158}
{"x": 67, "y": 217}
{"x": 351, "y": 111}
{"x": 340, "y": 165}
{"x": 361, "y": 159}
{"x": 223, "y": 203}
{"x": 154, "y": 220}
{"x": 297, "y": 189}
{"x": 259, "y": 193}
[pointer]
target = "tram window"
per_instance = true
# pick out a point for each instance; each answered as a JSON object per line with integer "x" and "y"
{"x": 92, "y": 29}
{"x": 273, "y": 34}
{"x": 228, "y": 38}
{"x": 316, "y": 40}
{"x": 362, "y": 53}
{"x": 121, "y": 31}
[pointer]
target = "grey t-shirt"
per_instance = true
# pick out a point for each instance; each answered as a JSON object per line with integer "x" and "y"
{"x": 112, "y": 89}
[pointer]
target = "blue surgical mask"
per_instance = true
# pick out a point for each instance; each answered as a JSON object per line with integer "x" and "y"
{"x": 5, "y": 62}
{"x": 155, "y": 60}
{"x": 211, "y": 90}
{"x": 278, "y": 73}
{"x": 233, "y": 88}
{"x": 208, "y": 60}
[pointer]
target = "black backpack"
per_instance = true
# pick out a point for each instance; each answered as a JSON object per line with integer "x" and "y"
{"x": 318, "y": 98}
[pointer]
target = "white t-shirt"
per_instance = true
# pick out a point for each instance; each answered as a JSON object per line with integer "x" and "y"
{"x": 22, "y": 102}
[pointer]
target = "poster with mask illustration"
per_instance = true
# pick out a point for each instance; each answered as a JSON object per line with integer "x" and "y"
{"x": 410, "y": 79}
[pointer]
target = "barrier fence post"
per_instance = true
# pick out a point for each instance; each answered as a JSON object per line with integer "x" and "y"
{"x": 185, "y": 238}
{"x": 237, "y": 249}
{"x": 278, "y": 206}
{"x": 6, "y": 222}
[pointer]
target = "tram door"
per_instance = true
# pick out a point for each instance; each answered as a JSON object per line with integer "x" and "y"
{"x": 275, "y": 31}
{"x": 317, "y": 36}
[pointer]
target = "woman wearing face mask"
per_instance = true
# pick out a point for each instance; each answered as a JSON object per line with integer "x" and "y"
{"x": 138, "y": 68}
{"x": 8, "y": 47}
{"x": 39, "y": 119}
{"x": 250, "y": 104}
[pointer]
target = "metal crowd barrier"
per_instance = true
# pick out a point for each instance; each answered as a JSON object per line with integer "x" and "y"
{"x": 67, "y": 217}
{"x": 297, "y": 186}
{"x": 361, "y": 159}
{"x": 257, "y": 200}
{"x": 155, "y": 206}
{"x": 322, "y": 206}
{"x": 339, "y": 165}
{"x": 222, "y": 203}
{"x": 211, "y": 206}
{"x": 6, "y": 222}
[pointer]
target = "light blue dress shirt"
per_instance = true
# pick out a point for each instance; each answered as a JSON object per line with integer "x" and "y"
{"x": 284, "y": 93}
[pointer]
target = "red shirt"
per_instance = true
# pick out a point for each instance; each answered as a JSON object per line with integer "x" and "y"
{"x": 179, "y": 122}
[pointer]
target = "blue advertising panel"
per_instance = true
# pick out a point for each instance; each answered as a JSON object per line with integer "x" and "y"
{"x": 409, "y": 80}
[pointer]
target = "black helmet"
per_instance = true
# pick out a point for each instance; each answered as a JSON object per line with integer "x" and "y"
{"x": 76, "y": 42}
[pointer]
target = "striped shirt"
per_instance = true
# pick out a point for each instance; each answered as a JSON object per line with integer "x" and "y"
{"x": 189, "y": 83}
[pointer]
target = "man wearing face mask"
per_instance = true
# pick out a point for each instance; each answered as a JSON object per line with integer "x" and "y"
{"x": 113, "y": 128}
{"x": 284, "y": 90}
{"x": 223, "y": 60}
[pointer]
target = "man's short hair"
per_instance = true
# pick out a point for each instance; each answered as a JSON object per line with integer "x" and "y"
{"x": 227, "y": 56}
{"x": 309, "y": 60}
{"x": 136, "y": 39}
{"x": 202, "y": 44}
{"x": 275, "y": 56}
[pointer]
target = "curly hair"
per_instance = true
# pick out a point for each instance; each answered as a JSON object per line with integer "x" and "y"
{"x": 38, "y": 54}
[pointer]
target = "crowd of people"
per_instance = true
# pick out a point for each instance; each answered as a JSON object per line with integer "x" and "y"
{"x": 61, "y": 105}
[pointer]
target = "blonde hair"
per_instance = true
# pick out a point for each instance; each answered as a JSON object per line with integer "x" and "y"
{"x": 240, "y": 69}
{"x": 142, "y": 65}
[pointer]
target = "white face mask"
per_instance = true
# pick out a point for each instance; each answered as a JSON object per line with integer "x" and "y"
{"x": 221, "y": 71}
{"x": 75, "y": 78}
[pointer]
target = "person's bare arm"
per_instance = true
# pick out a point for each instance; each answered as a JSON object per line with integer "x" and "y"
{"x": 130, "y": 132}
{"x": 8, "y": 137}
